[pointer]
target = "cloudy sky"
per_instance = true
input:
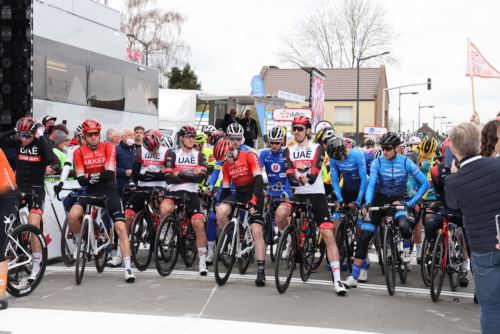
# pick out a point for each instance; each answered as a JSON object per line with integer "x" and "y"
{"x": 231, "y": 41}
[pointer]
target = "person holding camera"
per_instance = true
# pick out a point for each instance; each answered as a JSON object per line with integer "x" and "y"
{"x": 61, "y": 148}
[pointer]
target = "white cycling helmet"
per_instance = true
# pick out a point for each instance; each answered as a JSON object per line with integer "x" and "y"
{"x": 208, "y": 129}
{"x": 414, "y": 141}
{"x": 78, "y": 130}
{"x": 167, "y": 141}
{"x": 235, "y": 129}
{"x": 275, "y": 134}
{"x": 378, "y": 153}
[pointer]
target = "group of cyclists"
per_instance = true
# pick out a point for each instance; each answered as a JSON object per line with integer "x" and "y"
{"x": 318, "y": 168}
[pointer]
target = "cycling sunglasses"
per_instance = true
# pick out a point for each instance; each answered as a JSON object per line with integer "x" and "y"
{"x": 25, "y": 136}
{"x": 298, "y": 128}
{"x": 189, "y": 136}
{"x": 275, "y": 142}
{"x": 92, "y": 134}
{"x": 235, "y": 139}
{"x": 387, "y": 148}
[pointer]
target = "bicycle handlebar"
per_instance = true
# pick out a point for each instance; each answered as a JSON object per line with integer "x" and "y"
{"x": 388, "y": 207}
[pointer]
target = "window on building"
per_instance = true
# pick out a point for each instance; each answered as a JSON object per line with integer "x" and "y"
{"x": 140, "y": 96}
{"x": 343, "y": 115}
{"x": 105, "y": 89}
{"x": 38, "y": 76}
{"x": 66, "y": 81}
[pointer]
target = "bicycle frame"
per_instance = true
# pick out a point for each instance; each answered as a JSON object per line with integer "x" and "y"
{"x": 248, "y": 237}
{"x": 93, "y": 213}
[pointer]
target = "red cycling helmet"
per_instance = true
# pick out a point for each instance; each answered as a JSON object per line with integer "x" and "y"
{"x": 302, "y": 120}
{"x": 216, "y": 136}
{"x": 445, "y": 144}
{"x": 90, "y": 124}
{"x": 151, "y": 140}
{"x": 187, "y": 129}
{"x": 221, "y": 149}
{"x": 26, "y": 124}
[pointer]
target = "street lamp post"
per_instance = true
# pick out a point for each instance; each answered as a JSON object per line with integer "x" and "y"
{"x": 420, "y": 107}
{"x": 146, "y": 45}
{"x": 399, "y": 107}
{"x": 445, "y": 123}
{"x": 357, "y": 91}
{"x": 434, "y": 121}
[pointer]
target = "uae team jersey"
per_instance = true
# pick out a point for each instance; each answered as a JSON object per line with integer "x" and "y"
{"x": 151, "y": 163}
{"x": 312, "y": 157}
{"x": 242, "y": 172}
{"x": 180, "y": 161}
{"x": 101, "y": 159}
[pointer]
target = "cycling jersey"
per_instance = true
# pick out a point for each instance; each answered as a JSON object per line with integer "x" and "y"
{"x": 274, "y": 163}
{"x": 32, "y": 159}
{"x": 423, "y": 156}
{"x": 390, "y": 177}
{"x": 312, "y": 156}
{"x": 90, "y": 163}
{"x": 369, "y": 158}
{"x": 218, "y": 165}
{"x": 8, "y": 185}
{"x": 184, "y": 163}
{"x": 147, "y": 167}
{"x": 209, "y": 158}
{"x": 413, "y": 185}
{"x": 242, "y": 172}
{"x": 353, "y": 169}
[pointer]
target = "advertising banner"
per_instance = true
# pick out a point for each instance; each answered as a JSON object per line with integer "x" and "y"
{"x": 317, "y": 97}
{"x": 133, "y": 57}
{"x": 258, "y": 89}
{"x": 287, "y": 115}
{"x": 374, "y": 130}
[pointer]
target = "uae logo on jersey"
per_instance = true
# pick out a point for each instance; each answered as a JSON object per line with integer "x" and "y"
{"x": 275, "y": 167}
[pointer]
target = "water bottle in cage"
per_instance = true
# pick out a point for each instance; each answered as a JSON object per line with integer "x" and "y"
{"x": 184, "y": 227}
{"x": 26, "y": 236}
{"x": 302, "y": 239}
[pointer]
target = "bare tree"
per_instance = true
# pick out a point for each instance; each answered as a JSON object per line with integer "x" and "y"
{"x": 159, "y": 29}
{"x": 333, "y": 35}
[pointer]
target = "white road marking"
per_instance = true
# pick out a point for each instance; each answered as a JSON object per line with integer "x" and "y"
{"x": 208, "y": 301}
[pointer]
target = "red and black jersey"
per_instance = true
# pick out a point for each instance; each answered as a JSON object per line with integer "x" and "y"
{"x": 101, "y": 159}
{"x": 242, "y": 172}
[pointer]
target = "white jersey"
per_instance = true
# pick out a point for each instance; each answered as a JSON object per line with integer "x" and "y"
{"x": 180, "y": 161}
{"x": 151, "y": 163}
{"x": 311, "y": 156}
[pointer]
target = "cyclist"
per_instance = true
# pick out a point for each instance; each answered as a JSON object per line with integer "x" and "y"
{"x": 9, "y": 197}
{"x": 242, "y": 168}
{"x": 426, "y": 149}
{"x": 303, "y": 168}
{"x": 387, "y": 185}
{"x": 370, "y": 143}
{"x": 34, "y": 154}
{"x": 167, "y": 141}
{"x": 209, "y": 130}
{"x": 348, "y": 142}
{"x": 184, "y": 169}
{"x": 322, "y": 138}
{"x": 369, "y": 157}
{"x": 95, "y": 168}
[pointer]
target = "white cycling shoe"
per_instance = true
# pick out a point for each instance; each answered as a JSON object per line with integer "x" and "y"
{"x": 203, "y": 269}
{"x": 350, "y": 282}
{"x": 129, "y": 276}
{"x": 33, "y": 276}
{"x": 406, "y": 255}
{"x": 339, "y": 288}
{"x": 363, "y": 275}
{"x": 115, "y": 262}
{"x": 209, "y": 260}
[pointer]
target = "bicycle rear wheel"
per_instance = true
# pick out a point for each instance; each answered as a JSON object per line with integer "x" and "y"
{"x": 141, "y": 241}
{"x": 379, "y": 241}
{"x": 82, "y": 250}
{"x": 189, "y": 250}
{"x": 101, "y": 259}
{"x": 437, "y": 267}
{"x": 425, "y": 264}
{"x": 308, "y": 252}
{"x": 68, "y": 244}
{"x": 389, "y": 261}
{"x": 166, "y": 246}
{"x": 245, "y": 259}
{"x": 226, "y": 253}
{"x": 340, "y": 239}
{"x": 285, "y": 258}
{"x": 402, "y": 266}
{"x": 456, "y": 259}
{"x": 18, "y": 250}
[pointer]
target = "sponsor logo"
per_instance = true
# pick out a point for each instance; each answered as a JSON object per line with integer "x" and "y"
{"x": 302, "y": 155}
{"x": 186, "y": 160}
{"x": 29, "y": 151}
{"x": 151, "y": 156}
{"x": 275, "y": 167}
{"x": 238, "y": 170}
{"x": 29, "y": 158}
{"x": 96, "y": 161}
{"x": 42, "y": 239}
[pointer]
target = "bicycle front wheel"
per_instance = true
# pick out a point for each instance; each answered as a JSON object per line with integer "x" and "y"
{"x": 285, "y": 258}
{"x": 226, "y": 253}
{"x": 457, "y": 257}
{"x": 166, "y": 246}
{"x": 390, "y": 260}
{"x": 425, "y": 265}
{"x": 308, "y": 252}
{"x": 141, "y": 241}
{"x": 247, "y": 258}
{"x": 189, "y": 250}
{"x": 82, "y": 250}
{"x": 101, "y": 259}
{"x": 437, "y": 267}
{"x": 340, "y": 239}
{"x": 19, "y": 255}
{"x": 68, "y": 244}
{"x": 379, "y": 241}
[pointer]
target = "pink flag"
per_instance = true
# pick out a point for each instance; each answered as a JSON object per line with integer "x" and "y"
{"x": 478, "y": 65}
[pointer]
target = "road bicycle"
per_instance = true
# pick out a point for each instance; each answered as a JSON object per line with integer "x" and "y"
{"x": 21, "y": 238}
{"x": 175, "y": 236}
{"x": 68, "y": 240}
{"x": 94, "y": 238}
{"x": 270, "y": 231}
{"x": 235, "y": 241}
{"x": 448, "y": 255}
{"x": 297, "y": 245}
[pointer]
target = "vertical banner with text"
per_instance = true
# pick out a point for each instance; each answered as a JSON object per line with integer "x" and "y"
{"x": 317, "y": 97}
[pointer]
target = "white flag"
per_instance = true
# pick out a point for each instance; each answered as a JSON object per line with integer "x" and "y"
{"x": 478, "y": 65}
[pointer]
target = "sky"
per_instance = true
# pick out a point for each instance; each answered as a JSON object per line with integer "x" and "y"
{"x": 231, "y": 40}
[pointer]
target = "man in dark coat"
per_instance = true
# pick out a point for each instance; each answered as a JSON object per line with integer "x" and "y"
{"x": 250, "y": 127}
{"x": 229, "y": 119}
{"x": 125, "y": 152}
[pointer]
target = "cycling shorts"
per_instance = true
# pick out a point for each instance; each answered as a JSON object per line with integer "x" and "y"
{"x": 193, "y": 206}
{"x": 35, "y": 206}
{"x": 114, "y": 207}
{"x": 245, "y": 198}
{"x": 135, "y": 203}
{"x": 8, "y": 212}
{"x": 350, "y": 196}
{"x": 319, "y": 208}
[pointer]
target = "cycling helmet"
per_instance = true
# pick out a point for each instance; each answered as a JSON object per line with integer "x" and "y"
{"x": 414, "y": 141}
{"x": 371, "y": 150}
{"x": 370, "y": 142}
{"x": 26, "y": 124}
{"x": 428, "y": 145}
{"x": 216, "y": 136}
{"x": 302, "y": 120}
{"x": 200, "y": 138}
{"x": 325, "y": 134}
{"x": 378, "y": 153}
{"x": 78, "y": 130}
{"x": 353, "y": 143}
{"x": 348, "y": 142}
{"x": 275, "y": 134}
{"x": 187, "y": 129}
{"x": 221, "y": 149}
{"x": 167, "y": 141}
{"x": 390, "y": 139}
{"x": 235, "y": 129}
{"x": 413, "y": 156}
{"x": 151, "y": 140}
{"x": 91, "y": 124}
{"x": 335, "y": 148}
{"x": 444, "y": 145}
{"x": 291, "y": 143}
{"x": 208, "y": 129}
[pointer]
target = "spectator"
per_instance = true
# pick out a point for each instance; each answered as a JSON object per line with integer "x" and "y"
{"x": 250, "y": 127}
{"x": 60, "y": 127}
{"x": 61, "y": 146}
{"x": 229, "y": 119}
{"x": 125, "y": 152}
{"x": 138, "y": 134}
{"x": 48, "y": 123}
{"x": 474, "y": 189}
{"x": 113, "y": 136}
{"x": 489, "y": 139}
{"x": 497, "y": 146}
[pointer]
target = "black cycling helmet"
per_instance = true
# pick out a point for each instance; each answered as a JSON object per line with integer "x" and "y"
{"x": 413, "y": 156}
{"x": 370, "y": 142}
{"x": 390, "y": 139}
{"x": 335, "y": 148}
